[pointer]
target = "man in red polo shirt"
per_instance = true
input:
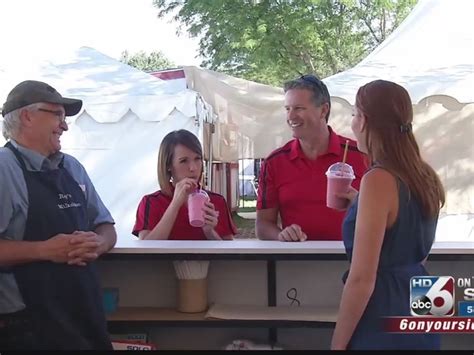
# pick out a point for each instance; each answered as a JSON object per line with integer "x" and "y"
{"x": 292, "y": 180}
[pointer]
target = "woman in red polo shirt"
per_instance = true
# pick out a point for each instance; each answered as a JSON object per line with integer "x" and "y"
{"x": 164, "y": 213}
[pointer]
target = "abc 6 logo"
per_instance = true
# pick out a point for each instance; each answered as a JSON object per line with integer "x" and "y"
{"x": 432, "y": 296}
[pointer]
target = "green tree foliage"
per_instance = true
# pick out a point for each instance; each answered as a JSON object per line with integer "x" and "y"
{"x": 147, "y": 62}
{"x": 271, "y": 41}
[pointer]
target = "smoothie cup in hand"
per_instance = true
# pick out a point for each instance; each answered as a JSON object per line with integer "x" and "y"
{"x": 340, "y": 176}
{"x": 196, "y": 201}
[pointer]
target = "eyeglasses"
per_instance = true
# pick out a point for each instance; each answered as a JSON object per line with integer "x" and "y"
{"x": 60, "y": 115}
{"x": 318, "y": 83}
{"x": 323, "y": 90}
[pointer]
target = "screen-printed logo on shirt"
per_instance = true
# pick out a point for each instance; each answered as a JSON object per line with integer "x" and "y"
{"x": 64, "y": 201}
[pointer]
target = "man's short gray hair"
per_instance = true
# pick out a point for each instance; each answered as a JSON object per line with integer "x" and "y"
{"x": 317, "y": 88}
{"x": 11, "y": 121}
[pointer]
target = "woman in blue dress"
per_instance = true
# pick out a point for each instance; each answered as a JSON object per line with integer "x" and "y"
{"x": 390, "y": 226}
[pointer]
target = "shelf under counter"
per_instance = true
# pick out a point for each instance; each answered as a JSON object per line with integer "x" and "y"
{"x": 153, "y": 314}
{"x": 160, "y": 317}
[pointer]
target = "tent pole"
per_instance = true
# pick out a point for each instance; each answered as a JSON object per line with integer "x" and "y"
{"x": 242, "y": 173}
{"x": 209, "y": 166}
{"x": 208, "y": 118}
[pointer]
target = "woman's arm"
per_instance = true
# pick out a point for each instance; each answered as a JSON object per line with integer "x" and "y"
{"x": 378, "y": 203}
{"x": 163, "y": 228}
{"x": 218, "y": 221}
{"x": 211, "y": 219}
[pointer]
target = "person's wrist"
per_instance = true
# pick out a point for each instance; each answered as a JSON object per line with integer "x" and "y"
{"x": 40, "y": 250}
{"x": 207, "y": 229}
{"x": 175, "y": 204}
{"x": 103, "y": 246}
{"x": 279, "y": 236}
{"x": 211, "y": 234}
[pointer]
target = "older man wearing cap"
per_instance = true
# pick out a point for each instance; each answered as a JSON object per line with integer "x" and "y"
{"x": 53, "y": 225}
{"x": 292, "y": 180}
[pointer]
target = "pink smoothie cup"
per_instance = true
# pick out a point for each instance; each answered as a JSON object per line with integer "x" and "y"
{"x": 340, "y": 177}
{"x": 196, "y": 201}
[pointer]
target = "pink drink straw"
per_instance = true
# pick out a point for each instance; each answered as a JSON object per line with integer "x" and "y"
{"x": 201, "y": 182}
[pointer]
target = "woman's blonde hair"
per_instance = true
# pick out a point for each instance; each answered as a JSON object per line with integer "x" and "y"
{"x": 390, "y": 142}
{"x": 166, "y": 153}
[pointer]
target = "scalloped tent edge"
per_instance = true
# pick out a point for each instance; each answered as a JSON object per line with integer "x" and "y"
{"x": 430, "y": 54}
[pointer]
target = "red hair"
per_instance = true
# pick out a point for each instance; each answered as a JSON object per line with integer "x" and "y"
{"x": 390, "y": 142}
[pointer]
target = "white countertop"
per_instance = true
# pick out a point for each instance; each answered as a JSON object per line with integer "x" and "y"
{"x": 255, "y": 246}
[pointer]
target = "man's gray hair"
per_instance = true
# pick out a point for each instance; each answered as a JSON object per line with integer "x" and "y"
{"x": 11, "y": 121}
{"x": 317, "y": 88}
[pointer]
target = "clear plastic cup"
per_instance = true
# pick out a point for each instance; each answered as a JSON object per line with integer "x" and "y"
{"x": 340, "y": 176}
{"x": 196, "y": 201}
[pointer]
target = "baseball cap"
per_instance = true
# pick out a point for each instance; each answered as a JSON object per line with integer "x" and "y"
{"x": 31, "y": 91}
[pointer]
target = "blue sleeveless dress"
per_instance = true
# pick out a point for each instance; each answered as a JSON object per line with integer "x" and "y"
{"x": 405, "y": 245}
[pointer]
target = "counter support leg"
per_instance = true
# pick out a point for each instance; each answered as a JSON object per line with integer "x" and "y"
{"x": 271, "y": 293}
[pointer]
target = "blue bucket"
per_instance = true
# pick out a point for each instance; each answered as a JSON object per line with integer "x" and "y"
{"x": 110, "y": 299}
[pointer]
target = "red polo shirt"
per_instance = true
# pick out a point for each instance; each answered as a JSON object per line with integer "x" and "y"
{"x": 152, "y": 208}
{"x": 296, "y": 186}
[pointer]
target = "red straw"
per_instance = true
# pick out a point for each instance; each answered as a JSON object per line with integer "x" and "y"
{"x": 345, "y": 151}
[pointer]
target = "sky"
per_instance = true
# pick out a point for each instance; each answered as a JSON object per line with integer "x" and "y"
{"x": 40, "y": 28}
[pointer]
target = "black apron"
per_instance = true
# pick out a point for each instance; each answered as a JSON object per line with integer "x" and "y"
{"x": 63, "y": 301}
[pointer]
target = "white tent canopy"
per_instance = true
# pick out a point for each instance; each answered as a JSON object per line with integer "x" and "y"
{"x": 430, "y": 53}
{"x": 117, "y": 134}
{"x": 108, "y": 87}
{"x": 250, "y": 117}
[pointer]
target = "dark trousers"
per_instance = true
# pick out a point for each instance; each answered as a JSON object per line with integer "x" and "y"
{"x": 16, "y": 332}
